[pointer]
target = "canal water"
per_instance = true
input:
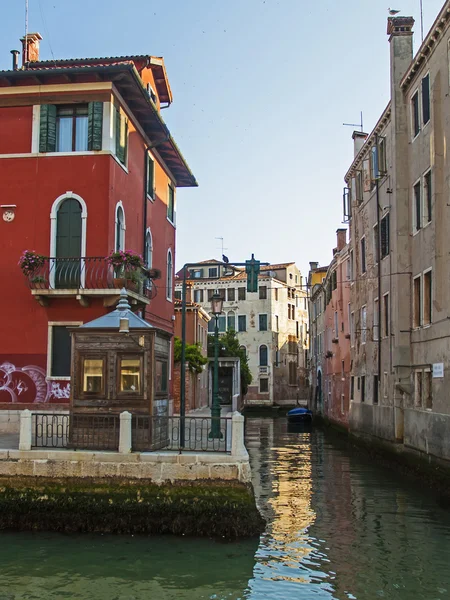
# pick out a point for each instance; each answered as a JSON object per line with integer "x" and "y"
{"x": 339, "y": 526}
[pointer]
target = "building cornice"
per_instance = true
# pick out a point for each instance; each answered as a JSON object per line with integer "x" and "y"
{"x": 381, "y": 124}
{"x": 428, "y": 46}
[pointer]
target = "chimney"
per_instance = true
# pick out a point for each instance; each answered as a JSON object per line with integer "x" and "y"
{"x": 313, "y": 266}
{"x": 359, "y": 137}
{"x": 399, "y": 30}
{"x": 15, "y": 62}
{"x": 341, "y": 235}
{"x": 30, "y": 48}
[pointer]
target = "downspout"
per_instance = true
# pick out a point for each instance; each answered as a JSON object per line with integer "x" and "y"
{"x": 145, "y": 204}
{"x": 377, "y": 188}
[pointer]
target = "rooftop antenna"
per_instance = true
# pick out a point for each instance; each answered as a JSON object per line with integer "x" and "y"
{"x": 25, "y": 56}
{"x": 356, "y": 124}
{"x": 421, "y": 19}
{"x": 222, "y": 246}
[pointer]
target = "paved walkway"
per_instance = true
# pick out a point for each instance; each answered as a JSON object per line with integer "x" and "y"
{"x": 9, "y": 441}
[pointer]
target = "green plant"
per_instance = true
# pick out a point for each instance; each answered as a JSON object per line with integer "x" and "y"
{"x": 124, "y": 262}
{"x": 31, "y": 261}
{"x": 229, "y": 346}
{"x": 38, "y": 279}
{"x": 194, "y": 356}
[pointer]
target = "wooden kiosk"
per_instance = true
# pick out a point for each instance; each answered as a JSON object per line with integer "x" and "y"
{"x": 119, "y": 363}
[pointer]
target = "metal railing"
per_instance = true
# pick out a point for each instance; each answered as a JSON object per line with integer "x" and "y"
{"x": 148, "y": 434}
{"x": 164, "y": 433}
{"x": 50, "y": 430}
{"x": 89, "y": 273}
{"x": 94, "y": 432}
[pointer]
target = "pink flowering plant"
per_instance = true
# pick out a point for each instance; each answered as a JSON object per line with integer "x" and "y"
{"x": 30, "y": 262}
{"x": 125, "y": 262}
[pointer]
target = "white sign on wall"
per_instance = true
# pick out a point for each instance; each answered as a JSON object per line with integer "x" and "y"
{"x": 438, "y": 370}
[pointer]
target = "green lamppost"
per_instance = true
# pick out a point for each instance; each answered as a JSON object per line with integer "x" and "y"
{"x": 216, "y": 309}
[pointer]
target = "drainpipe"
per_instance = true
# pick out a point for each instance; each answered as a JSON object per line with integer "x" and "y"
{"x": 145, "y": 203}
{"x": 377, "y": 188}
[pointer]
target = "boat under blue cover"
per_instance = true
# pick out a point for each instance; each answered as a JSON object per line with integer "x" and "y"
{"x": 299, "y": 415}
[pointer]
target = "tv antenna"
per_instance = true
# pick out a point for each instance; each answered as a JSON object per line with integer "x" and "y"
{"x": 356, "y": 124}
{"x": 25, "y": 58}
{"x": 421, "y": 19}
{"x": 222, "y": 246}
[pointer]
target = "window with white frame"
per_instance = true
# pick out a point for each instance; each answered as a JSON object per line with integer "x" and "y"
{"x": 231, "y": 320}
{"x": 171, "y": 204}
{"x": 386, "y": 315}
{"x": 59, "y": 349}
{"x": 384, "y": 236}
{"x": 263, "y": 356}
{"x": 148, "y": 249}
{"x": 120, "y": 228}
{"x": 376, "y": 247}
{"x": 169, "y": 275}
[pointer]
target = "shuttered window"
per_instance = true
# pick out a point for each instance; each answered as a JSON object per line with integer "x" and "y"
{"x": 262, "y": 322}
{"x": 95, "y": 125}
{"x": 150, "y": 177}
{"x": 71, "y": 128}
{"x": 171, "y": 205}
{"x": 385, "y": 236}
{"x": 61, "y": 351}
{"x": 121, "y": 136}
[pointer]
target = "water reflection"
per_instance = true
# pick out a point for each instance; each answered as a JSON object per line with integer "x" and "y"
{"x": 340, "y": 526}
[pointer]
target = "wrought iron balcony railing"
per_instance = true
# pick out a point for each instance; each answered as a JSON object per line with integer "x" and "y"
{"x": 91, "y": 273}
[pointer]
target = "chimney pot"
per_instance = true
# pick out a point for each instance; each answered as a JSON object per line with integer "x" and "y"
{"x": 359, "y": 138}
{"x": 313, "y": 266}
{"x": 30, "y": 48}
{"x": 341, "y": 236}
{"x": 15, "y": 63}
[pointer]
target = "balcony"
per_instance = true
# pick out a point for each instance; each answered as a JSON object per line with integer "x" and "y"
{"x": 90, "y": 277}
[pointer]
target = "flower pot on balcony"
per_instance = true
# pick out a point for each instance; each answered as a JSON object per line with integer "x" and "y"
{"x": 128, "y": 284}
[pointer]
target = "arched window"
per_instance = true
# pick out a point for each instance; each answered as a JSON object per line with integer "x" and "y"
{"x": 120, "y": 227}
{"x": 243, "y": 349}
{"x": 148, "y": 249}
{"x": 231, "y": 320}
{"x": 211, "y": 324}
{"x": 263, "y": 356}
{"x": 68, "y": 217}
{"x": 169, "y": 277}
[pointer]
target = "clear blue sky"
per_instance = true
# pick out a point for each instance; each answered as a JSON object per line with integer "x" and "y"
{"x": 261, "y": 89}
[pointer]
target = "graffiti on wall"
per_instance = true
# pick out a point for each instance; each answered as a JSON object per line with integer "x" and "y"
{"x": 29, "y": 385}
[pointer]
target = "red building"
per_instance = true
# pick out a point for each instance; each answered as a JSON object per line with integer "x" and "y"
{"x": 87, "y": 167}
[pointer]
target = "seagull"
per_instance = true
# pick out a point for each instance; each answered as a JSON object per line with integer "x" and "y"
{"x": 393, "y": 12}
{"x": 225, "y": 259}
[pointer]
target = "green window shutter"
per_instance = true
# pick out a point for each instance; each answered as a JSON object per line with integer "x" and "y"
{"x": 125, "y": 139}
{"x": 95, "y": 125}
{"x": 150, "y": 176}
{"x": 47, "y": 128}
{"x": 121, "y": 137}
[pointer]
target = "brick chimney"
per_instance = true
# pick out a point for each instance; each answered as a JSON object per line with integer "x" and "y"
{"x": 341, "y": 235}
{"x": 30, "y": 48}
{"x": 189, "y": 287}
{"x": 359, "y": 137}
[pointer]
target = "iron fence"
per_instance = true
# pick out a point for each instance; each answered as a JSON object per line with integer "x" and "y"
{"x": 94, "y": 432}
{"x": 50, "y": 430}
{"x": 90, "y": 273}
{"x": 166, "y": 433}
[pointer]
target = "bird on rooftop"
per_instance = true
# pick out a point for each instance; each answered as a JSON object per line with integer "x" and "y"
{"x": 225, "y": 259}
{"x": 393, "y": 12}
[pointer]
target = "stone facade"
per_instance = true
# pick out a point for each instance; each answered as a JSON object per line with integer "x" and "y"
{"x": 271, "y": 323}
{"x": 398, "y": 191}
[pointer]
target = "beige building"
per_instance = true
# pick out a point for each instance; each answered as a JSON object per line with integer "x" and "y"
{"x": 396, "y": 200}
{"x": 271, "y": 325}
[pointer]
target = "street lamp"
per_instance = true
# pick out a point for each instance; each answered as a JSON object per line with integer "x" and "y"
{"x": 216, "y": 309}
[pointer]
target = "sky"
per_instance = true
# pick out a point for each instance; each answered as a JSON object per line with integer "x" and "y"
{"x": 261, "y": 91}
